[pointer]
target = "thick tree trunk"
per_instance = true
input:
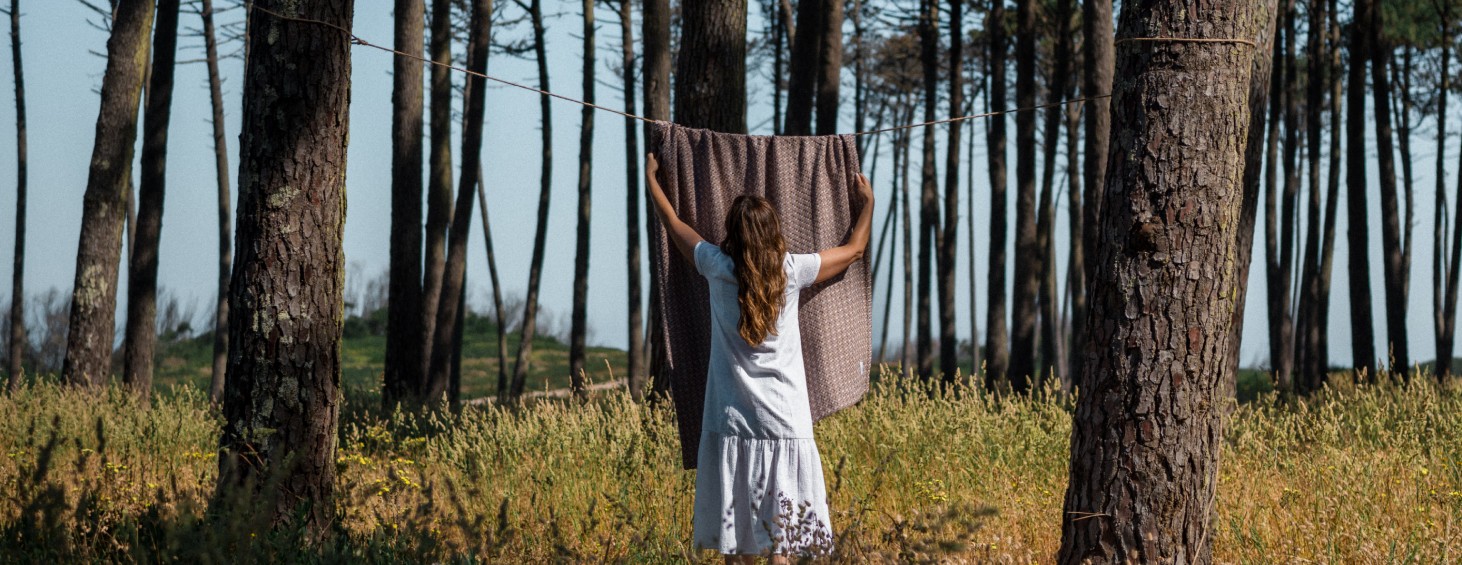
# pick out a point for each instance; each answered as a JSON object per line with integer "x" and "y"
{"x": 803, "y": 68}
{"x": 438, "y": 379}
{"x": 403, "y": 312}
{"x": 829, "y": 65}
{"x": 635, "y": 355}
{"x": 1307, "y": 363}
{"x": 930, "y": 236}
{"x": 1394, "y": 258}
{"x": 17, "y": 340}
{"x": 535, "y": 269}
{"x": 655, "y": 31}
{"x": 439, "y": 185}
{"x": 94, "y": 295}
{"x": 283, "y": 394}
{"x": 997, "y": 342}
{"x": 1362, "y": 330}
{"x": 1027, "y": 245}
{"x": 141, "y": 336}
{"x": 225, "y": 205}
{"x": 579, "y": 330}
{"x": 1147, "y": 432}
{"x": 948, "y": 341}
{"x": 710, "y": 85}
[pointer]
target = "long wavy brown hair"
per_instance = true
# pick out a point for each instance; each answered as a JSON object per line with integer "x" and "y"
{"x": 754, "y": 242}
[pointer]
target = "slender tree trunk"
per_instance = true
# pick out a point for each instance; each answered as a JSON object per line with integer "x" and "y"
{"x": 930, "y": 236}
{"x": 710, "y": 85}
{"x": 438, "y": 380}
{"x": 403, "y": 311}
{"x": 535, "y": 269}
{"x": 908, "y": 362}
{"x": 1394, "y": 258}
{"x": 225, "y": 205}
{"x": 975, "y": 357}
{"x": 141, "y": 336}
{"x": 1362, "y": 330}
{"x": 948, "y": 340}
{"x": 1278, "y": 228}
{"x": 17, "y": 339}
{"x": 283, "y": 395}
{"x": 1443, "y": 301}
{"x": 655, "y": 30}
{"x": 1321, "y": 355}
{"x": 1146, "y": 436}
{"x": 497, "y": 291}
{"x": 454, "y": 388}
{"x": 579, "y": 324}
{"x": 997, "y": 344}
{"x": 1403, "y": 136}
{"x": 1027, "y": 245}
{"x": 1052, "y": 350}
{"x": 1076, "y": 268}
{"x": 94, "y": 295}
{"x": 1096, "y": 27}
{"x": 635, "y": 355}
{"x": 779, "y": 40}
{"x": 860, "y": 81}
{"x": 829, "y": 65}
{"x": 1307, "y": 363}
{"x": 803, "y": 71}
{"x": 439, "y": 187}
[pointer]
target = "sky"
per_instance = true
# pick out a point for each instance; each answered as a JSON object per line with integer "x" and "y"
{"x": 63, "y": 74}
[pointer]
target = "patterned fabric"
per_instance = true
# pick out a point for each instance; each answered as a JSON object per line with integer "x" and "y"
{"x": 808, "y": 180}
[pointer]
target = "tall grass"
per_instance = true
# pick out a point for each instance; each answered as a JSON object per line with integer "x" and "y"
{"x": 1354, "y": 474}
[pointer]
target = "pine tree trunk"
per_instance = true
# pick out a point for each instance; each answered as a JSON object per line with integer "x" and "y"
{"x": 439, "y": 377}
{"x": 948, "y": 340}
{"x": 635, "y": 354}
{"x": 803, "y": 69}
{"x": 1278, "y": 223}
{"x": 578, "y": 329}
{"x": 710, "y": 85}
{"x": 1443, "y": 301}
{"x": 1096, "y": 27}
{"x": 402, "y": 381}
{"x": 1362, "y": 330}
{"x": 535, "y": 269}
{"x": 997, "y": 343}
{"x": 17, "y": 340}
{"x": 1394, "y": 257}
{"x": 1146, "y": 434}
{"x": 497, "y": 291}
{"x": 104, "y": 205}
{"x": 1321, "y": 314}
{"x": 829, "y": 65}
{"x": 225, "y": 205}
{"x": 1027, "y": 245}
{"x": 141, "y": 336}
{"x": 976, "y": 358}
{"x": 283, "y": 395}
{"x": 1307, "y": 365}
{"x": 1076, "y": 267}
{"x": 655, "y": 32}
{"x": 907, "y": 362}
{"x": 439, "y": 186}
{"x": 930, "y": 236}
{"x": 1052, "y": 350}
{"x": 779, "y": 40}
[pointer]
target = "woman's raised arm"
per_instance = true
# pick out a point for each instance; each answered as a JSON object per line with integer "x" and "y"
{"x": 684, "y": 236}
{"x": 837, "y": 259}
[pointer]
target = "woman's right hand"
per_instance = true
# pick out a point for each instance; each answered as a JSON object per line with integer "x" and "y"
{"x": 863, "y": 189}
{"x": 652, "y": 165}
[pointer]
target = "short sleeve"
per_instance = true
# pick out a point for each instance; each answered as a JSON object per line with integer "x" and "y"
{"x": 706, "y": 256}
{"x": 803, "y": 268}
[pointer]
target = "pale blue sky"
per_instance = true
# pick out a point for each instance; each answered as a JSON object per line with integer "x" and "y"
{"x": 62, "y": 75}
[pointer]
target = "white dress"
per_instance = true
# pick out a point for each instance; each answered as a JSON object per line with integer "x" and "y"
{"x": 759, "y": 487}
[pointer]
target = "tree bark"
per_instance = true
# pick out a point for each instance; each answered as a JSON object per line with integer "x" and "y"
{"x": 497, "y": 291}
{"x": 283, "y": 393}
{"x": 1147, "y": 432}
{"x": 1394, "y": 258}
{"x": 931, "y": 238}
{"x": 1362, "y": 338}
{"x": 710, "y": 85}
{"x": 803, "y": 68}
{"x": 655, "y": 31}
{"x": 1321, "y": 315}
{"x": 1027, "y": 245}
{"x": 1307, "y": 363}
{"x": 402, "y": 381}
{"x": 829, "y": 65}
{"x": 1443, "y": 273}
{"x": 438, "y": 380}
{"x": 535, "y": 269}
{"x": 94, "y": 295}
{"x": 439, "y": 185}
{"x": 997, "y": 343}
{"x": 948, "y": 340}
{"x": 225, "y": 206}
{"x": 141, "y": 331}
{"x": 635, "y": 356}
{"x": 16, "y": 339}
{"x": 1096, "y": 27}
{"x": 907, "y": 360}
{"x": 1052, "y": 351}
{"x": 1278, "y": 224}
{"x": 579, "y": 324}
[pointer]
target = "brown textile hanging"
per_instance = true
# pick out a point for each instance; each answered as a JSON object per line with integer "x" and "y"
{"x": 807, "y": 180}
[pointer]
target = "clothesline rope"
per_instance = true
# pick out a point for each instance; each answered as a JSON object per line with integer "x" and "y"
{"x": 357, "y": 40}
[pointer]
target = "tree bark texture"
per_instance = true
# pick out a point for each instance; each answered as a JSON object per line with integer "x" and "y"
{"x": 439, "y": 180}
{"x": 578, "y": 325}
{"x": 948, "y": 341}
{"x": 803, "y": 68}
{"x": 1394, "y": 258}
{"x": 1096, "y": 28}
{"x": 1444, "y": 278}
{"x": 283, "y": 393}
{"x": 1027, "y": 249}
{"x": 997, "y": 338}
{"x": 141, "y": 331}
{"x": 225, "y": 207}
{"x": 104, "y": 205}
{"x": 930, "y": 236}
{"x": 830, "y": 66}
{"x": 710, "y": 85}
{"x": 635, "y": 357}
{"x": 1362, "y": 329}
{"x": 17, "y": 340}
{"x": 403, "y": 311}
{"x": 1146, "y": 433}
{"x": 1052, "y": 350}
{"x": 438, "y": 381}
{"x": 655, "y": 74}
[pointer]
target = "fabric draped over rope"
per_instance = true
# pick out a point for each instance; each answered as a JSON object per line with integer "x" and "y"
{"x": 808, "y": 179}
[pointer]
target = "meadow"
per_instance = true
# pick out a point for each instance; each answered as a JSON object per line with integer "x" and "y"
{"x": 1369, "y": 473}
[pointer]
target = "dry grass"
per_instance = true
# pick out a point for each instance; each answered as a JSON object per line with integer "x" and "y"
{"x": 1355, "y": 474}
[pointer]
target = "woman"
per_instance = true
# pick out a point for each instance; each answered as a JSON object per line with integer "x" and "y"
{"x": 759, "y": 489}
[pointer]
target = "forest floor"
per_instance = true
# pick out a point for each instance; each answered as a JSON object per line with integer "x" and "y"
{"x": 1354, "y": 474}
